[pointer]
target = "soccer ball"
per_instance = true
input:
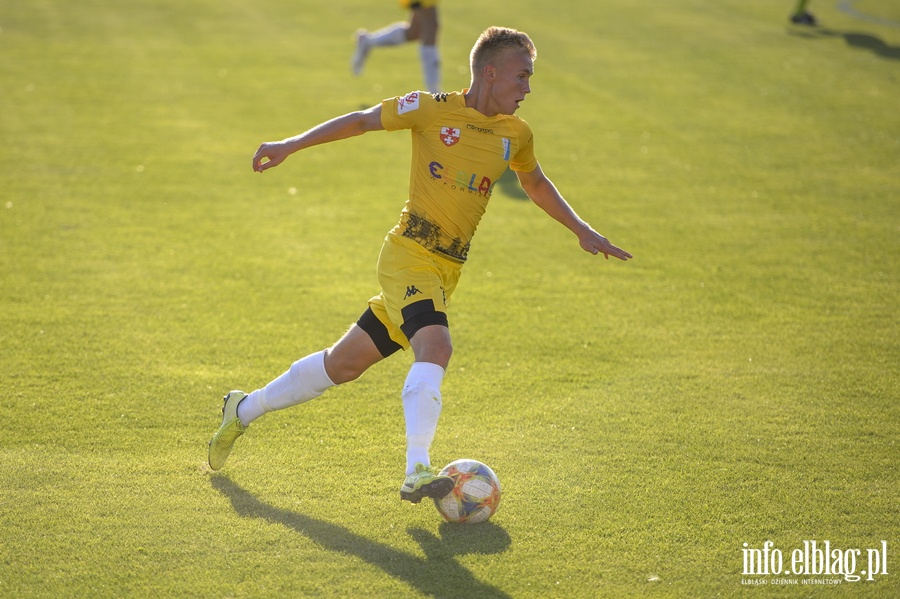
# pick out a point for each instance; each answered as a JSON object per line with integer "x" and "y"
{"x": 476, "y": 495}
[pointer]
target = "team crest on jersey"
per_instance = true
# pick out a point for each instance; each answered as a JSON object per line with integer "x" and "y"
{"x": 408, "y": 103}
{"x": 449, "y": 136}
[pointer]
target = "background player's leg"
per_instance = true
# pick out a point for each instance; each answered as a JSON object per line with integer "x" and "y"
{"x": 392, "y": 35}
{"x": 429, "y": 55}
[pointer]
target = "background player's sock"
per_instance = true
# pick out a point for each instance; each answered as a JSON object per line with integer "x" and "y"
{"x": 431, "y": 67}
{"x": 392, "y": 35}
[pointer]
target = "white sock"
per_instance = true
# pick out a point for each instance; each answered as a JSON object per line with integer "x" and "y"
{"x": 421, "y": 409}
{"x": 431, "y": 67}
{"x": 392, "y": 35}
{"x": 306, "y": 379}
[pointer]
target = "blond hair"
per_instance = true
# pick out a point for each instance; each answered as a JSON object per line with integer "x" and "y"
{"x": 495, "y": 41}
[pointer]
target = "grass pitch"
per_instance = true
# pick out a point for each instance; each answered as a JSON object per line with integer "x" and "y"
{"x": 735, "y": 383}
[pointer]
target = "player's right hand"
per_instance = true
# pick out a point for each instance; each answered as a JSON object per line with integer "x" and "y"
{"x": 269, "y": 154}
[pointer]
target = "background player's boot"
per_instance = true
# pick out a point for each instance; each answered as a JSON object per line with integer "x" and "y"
{"x": 803, "y": 18}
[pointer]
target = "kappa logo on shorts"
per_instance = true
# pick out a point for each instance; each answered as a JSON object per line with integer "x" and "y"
{"x": 411, "y": 291}
{"x": 450, "y": 136}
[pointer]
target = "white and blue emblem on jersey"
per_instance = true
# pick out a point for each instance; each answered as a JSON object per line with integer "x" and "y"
{"x": 506, "y": 149}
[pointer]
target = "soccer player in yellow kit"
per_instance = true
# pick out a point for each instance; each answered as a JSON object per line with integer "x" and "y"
{"x": 462, "y": 144}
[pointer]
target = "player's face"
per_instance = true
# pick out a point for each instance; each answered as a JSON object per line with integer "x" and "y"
{"x": 510, "y": 84}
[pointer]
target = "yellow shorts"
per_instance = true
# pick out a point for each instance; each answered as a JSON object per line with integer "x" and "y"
{"x": 416, "y": 285}
{"x": 407, "y": 4}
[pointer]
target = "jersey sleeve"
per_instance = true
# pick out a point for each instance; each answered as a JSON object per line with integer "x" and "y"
{"x": 404, "y": 112}
{"x": 524, "y": 160}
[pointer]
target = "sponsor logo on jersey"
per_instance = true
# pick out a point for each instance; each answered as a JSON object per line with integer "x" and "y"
{"x": 463, "y": 181}
{"x": 472, "y": 127}
{"x": 449, "y": 135}
{"x": 408, "y": 103}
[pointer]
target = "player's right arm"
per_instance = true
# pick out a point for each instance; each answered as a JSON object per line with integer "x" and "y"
{"x": 273, "y": 153}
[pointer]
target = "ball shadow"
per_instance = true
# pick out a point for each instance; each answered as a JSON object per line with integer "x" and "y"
{"x": 485, "y": 538}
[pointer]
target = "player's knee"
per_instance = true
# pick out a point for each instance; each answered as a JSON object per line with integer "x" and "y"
{"x": 437, "y": 354}
{"x": 442, "y": 352}
{"x": 432, "y": 344}
{"x": 343, "y": 369}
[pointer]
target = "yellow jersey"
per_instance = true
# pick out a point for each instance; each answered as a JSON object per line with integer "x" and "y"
{"x": 458, "y": 154}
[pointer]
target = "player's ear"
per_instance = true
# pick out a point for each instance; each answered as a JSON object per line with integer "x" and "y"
{"x": 489, "y": 72}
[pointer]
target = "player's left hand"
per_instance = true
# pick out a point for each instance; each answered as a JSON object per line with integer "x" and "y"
{"x": 596, "y": 243}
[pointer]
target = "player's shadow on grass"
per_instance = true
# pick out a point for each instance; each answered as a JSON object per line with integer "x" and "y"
{"x": 437, "y": 575}
{"x": 863, "y": 41}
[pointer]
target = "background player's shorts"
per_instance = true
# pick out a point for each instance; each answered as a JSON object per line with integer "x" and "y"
{"x": 415, "y": 287}
{"x": 407, "y": 4}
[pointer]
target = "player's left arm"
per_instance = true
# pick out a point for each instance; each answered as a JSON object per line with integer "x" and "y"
{"x": 543, "y": 192}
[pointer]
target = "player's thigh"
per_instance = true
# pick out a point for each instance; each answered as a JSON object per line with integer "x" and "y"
{"x": 352, "y": 355}
{"x": 428, "y": 25}
{"x": 423, "y": 23}
{"x": 415, "y": 285}
{"x": 387, "y": 336}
